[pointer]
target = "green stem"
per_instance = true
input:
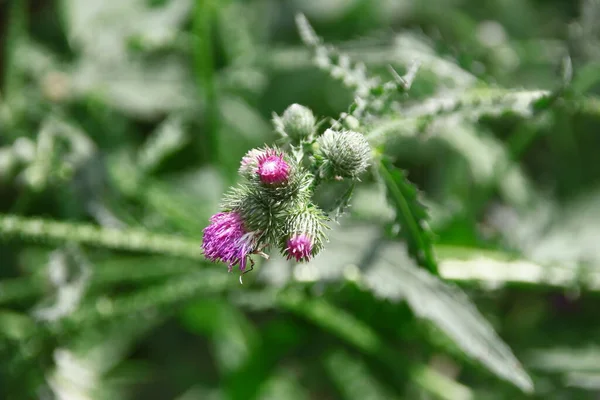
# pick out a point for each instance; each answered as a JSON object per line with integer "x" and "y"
{"x": 175, "y": 290}
{"x": 106, "y": 273}
{"x": 17, "y": 21}
{"x": 204, "y": 71}
{"x": 455, "y": 263}
{"x": 38, "y": 229}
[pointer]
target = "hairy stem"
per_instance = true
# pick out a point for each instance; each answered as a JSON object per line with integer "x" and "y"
{"x": 45, "y": 230}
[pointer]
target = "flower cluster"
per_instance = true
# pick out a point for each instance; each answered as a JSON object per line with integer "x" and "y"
{"x": 273, "y": 205}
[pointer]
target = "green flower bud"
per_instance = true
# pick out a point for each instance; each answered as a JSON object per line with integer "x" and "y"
{"x": 270, "y": 166}
{"x": 343, "y": 154}
{"x": 284, "y": 183}
{"x": 249, "y": 165}
{"x": 297, "y": 123}
{"x": 303, "y": 232}
{"x": 253, "y": 206}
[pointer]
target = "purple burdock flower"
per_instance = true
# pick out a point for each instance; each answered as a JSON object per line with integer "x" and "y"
{"x": 272, "y": 168}
{"x": 299, "y": 247}
{"x": 226, "y": 239}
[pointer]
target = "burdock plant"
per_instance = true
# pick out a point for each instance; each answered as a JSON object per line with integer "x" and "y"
{"x": 273, "y": 205}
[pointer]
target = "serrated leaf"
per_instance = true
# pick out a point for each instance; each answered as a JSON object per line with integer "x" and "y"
{"x": 448, "y": 308}
{"x": 341, "y": 204}
{"x": 411, "y": 215}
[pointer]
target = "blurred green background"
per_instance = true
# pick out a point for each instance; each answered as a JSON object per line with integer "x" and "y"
{"x": 123, "y": 122}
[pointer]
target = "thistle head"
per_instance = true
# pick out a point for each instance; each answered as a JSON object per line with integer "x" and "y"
{"x": 272, "y": 169}
{"x": 297, "y": 123}
{"x": 343, "y": 153}
{"x": 299, "y": 246}
{"x": 304, "y": 233}
{"x": 226, "y": 239}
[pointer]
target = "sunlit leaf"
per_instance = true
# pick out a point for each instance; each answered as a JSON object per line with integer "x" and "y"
{"x": 390, "y": 273}
{"x": 395, "y": 277}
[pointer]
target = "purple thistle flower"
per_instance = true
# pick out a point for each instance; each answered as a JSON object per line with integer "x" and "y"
{"x": 272, "y": 168}
{"x": 299, "y": 247}
{"x": 226, "y": 239}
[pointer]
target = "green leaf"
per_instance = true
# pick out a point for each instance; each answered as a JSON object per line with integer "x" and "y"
{"x": 439, "y": 384}
{"x": 140, "y": 89}
{"x": 448, "y": 307}
{"x": 353, "y": 378}
{"x": 361, "y": 336}
{"x": 388, "y": 271}
{"x": 565, "y": 359}
{"x": 279, "y": 337}
{"x": 577, "y": 367}
{"x": 341, "y": 204}
{"x": 283, "y": 385}
{"x": 18, "y": 289}
{"x": 233, "y": 336}
{"x": 167, "y": 139}
{"x": 15, "y": 326}
{"x": 15, "y": 33}
{"x": 493, "y": 269}
{"x": 332, "y": 319}
{"x": 411, "y": 215}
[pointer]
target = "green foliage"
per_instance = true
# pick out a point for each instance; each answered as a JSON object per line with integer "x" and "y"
{"x": 411, "y": 215}
{"x": 123, "y": 124}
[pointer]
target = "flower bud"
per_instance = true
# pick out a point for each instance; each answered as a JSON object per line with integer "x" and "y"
{"x": 269, "y": 166}
{"x": 249, "y": 165}
{"x": 303, "y": 233}
{"x": 343, "y": 154}
{"x": 277, "y": 179}
{"x": 297, "y": 123}
{"x": 251, "y": 204}
{"x": 299, "y": 246}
